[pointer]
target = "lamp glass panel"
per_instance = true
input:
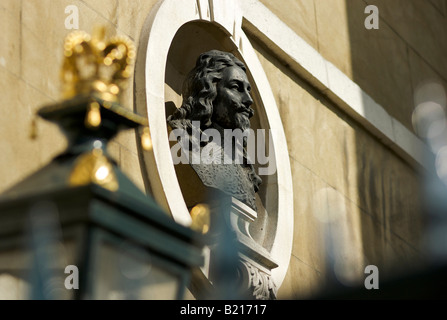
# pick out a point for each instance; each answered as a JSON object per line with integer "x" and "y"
{"x": 14, "y": 271}
{"x": 125, "y": 272}
{"x": 21, "y": 270}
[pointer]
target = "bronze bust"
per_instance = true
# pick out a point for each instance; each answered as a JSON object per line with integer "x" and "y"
{"x": 217, "y": 100}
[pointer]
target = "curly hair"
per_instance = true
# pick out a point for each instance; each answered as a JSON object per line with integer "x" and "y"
{"x": 199, "y": 91}
{"x": 199, "y": 87}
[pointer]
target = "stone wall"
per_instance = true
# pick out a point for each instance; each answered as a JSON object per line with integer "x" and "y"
{"x": 377, "y": 191}
{"x": 388, "y": 63}
{"x": 30, "y": 60}
{"x": 338, "y": 167}
{"x": 336, "y": 163}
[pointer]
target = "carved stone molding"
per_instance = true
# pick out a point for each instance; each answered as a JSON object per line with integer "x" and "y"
{"x": 260, "y": 283}
{"x": 255, "y": 263}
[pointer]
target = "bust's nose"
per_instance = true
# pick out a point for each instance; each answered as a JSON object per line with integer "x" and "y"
{"x": 247, "y": 101}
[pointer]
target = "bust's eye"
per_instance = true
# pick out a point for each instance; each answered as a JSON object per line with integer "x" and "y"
{"x": 235, "y": 86}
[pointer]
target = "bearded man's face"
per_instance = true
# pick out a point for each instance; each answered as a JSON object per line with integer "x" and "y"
{"x": 231, "y": 108}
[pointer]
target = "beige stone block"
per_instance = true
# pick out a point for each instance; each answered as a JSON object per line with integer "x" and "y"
{"x": 344, "y": 243}
{"x": 113, "y": 149}
{"x": 368, "y": 241}
{"x": 378, "y": 190}
{"x": 50, "y": 141}
{"x": 126, "y": 98}
{"x": 308, "y": 240}
{"x": 343, "y": 155}
{"x": 373, "y": 241}
{"x": 441, "y": 5}
{"x": 389, "y": 190}
{"x": 132, "y": 14}
{"x": 357, "y": 239}
{"x": 43, "y": 35}
{"x": 129, "y": 160}
{"x": 20, "y": 155}
{"x": 423, "y": 75}
{"x": 319, "y": 136}
{"x": 41, "y": 64}
{"x": 46, "y": 20}
{"x": 89, "y": 19}
{"x": 298, "y": 15}
{"x": 334, "y": 139}
{"x": 380, "y": 64}
{"x": 105, "y": 8}
{"x": 10, "y": 26}
{"x": 130, "y": 165}
{"x": 127, "y": 139}
{"x": 296, "y": 106}
{"x": 301, "y": 281}
{"x": 333, "y": 33}
{"x": 11, "y": 5}
{"x": 421, "y": 25}
{"x": 401, "y": 257}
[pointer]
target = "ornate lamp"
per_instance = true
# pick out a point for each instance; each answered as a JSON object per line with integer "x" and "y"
{"x": 79, "y": 228}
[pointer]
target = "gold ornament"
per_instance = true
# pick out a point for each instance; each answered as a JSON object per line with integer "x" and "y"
{"x": 94, "y": 167}
{"x": 94, "y": 66}
{"x": 146, "y": 140}
{"x": 200, "y": 216}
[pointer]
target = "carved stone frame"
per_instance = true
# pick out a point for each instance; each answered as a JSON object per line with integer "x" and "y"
{"x": 159, "y": 29}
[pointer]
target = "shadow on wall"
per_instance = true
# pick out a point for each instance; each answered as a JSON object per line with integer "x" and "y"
{"x": 388, "y": 212}
{"x": 393, "y": 65}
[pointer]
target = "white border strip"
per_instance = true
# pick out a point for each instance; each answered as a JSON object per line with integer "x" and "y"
{"x": 332, "y": 82}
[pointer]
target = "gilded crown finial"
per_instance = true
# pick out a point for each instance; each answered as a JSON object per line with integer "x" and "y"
{"x": 93, "y": 65}
{"x": 94, "y": 74}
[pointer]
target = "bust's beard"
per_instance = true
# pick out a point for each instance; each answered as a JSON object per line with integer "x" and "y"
{"x": 242, "y": 122}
